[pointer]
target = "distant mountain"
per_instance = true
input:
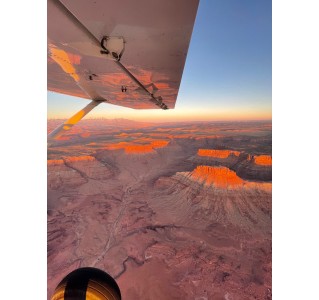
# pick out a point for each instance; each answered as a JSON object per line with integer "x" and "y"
{"x": 100, "y": 123}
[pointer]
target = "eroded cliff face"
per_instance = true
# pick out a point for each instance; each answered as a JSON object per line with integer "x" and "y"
{"x": 223, "y": 178}
{"x": 84, "y": 158}
{"x": 216, "y": 194}
{"x": 230, "y": 217}
{"x": 263, "y": 160}
{"x": 161, "y": 223}
{"x": 55, "y": 162}
{"x": 255, "y": 167}
{"x": 60, "y": 175}
{"x": 220, "y": 177}
{"x": 139, "y": 149}
{"x": 217, "y": 153}
{"x": 75, "y": 171}
{"x": 89, "y": 167}
{"x": 159, "y": 144}
{"x": 133, "y": 148}
{"x": 246, "y": 165}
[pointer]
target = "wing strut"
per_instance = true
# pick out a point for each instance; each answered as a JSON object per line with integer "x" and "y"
{"x": 68, "y": 124}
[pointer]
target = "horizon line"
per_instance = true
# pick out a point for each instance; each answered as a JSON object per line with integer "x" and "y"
{"x": 167, "y": 121}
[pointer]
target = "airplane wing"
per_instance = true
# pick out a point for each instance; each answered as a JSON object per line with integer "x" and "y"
{"x": 127, "y": 53}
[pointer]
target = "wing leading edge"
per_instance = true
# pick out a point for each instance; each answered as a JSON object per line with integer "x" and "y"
{"x": 126, "y": 53}
{"x": 156, "y": 34}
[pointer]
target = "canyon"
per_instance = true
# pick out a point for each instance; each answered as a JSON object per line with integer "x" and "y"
{"x": 177, "y": 211}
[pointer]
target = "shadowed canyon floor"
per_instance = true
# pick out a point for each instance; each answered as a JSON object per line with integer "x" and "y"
{"x": 173, "y": 211}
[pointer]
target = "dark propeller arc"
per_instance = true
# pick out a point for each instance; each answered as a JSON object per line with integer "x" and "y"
{"x": 87, "y": 284}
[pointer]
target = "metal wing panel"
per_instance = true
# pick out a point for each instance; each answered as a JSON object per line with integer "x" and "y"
{"x": 156, "y": 33}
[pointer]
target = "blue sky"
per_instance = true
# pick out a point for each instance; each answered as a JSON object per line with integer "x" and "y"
{"x": 227, "y": 74}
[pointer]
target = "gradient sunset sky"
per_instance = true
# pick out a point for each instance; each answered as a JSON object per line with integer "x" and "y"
{"x": 227, "y": 75}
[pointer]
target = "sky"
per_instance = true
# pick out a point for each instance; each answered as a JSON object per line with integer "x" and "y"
{"x": 227, "y": 75}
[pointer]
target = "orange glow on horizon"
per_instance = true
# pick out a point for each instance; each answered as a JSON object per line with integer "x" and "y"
{"x": 180, "y": 113}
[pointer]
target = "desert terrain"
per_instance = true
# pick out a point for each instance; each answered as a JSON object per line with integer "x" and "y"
{"x": 171, "y": 211}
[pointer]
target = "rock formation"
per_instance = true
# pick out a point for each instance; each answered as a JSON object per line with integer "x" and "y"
{"x": 60, "y": 175}
{"x": 223, "y": 178}
{"x": 217, "y": 153}
{"x": 165, "y": 221}
{"x": 215, "y": 194}
{"x": 246, "y": 165}
{"x": 133, "y": 148}
{"x": 263, "y": 160}
{"x": 89, "y": 167}
{"x": 139, "y": 149}
{"x": 220, "y": 177}
{"x": 75, "y": 170}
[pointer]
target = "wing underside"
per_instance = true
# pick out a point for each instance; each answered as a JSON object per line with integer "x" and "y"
{"x": 152, "y": 38}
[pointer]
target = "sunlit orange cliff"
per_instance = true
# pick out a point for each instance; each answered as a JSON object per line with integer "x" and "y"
{"x": 263, "y": 160}
{"x": 138, "y": 148}
{"x": 80, "y": 158}
{"x": 217, "y": 153}
{"x": 222, "y": 178}
{"x": 218, "y": 176}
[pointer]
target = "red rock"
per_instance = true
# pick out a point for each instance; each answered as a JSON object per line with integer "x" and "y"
{"x": 159, "y": 144}
{"x": 140, "y": 149}
{"x": 263, "y": 160}
{"x": 55, "y": 162}
{"x": 218, "y": 176}
{"x": 217, "y": 153}
{"x": 80, "y": 158}
{"x": 60, "y": 175}
{"x": 89, "y": 166}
